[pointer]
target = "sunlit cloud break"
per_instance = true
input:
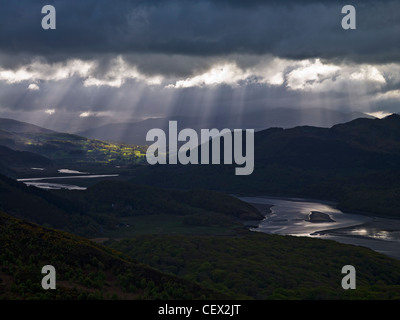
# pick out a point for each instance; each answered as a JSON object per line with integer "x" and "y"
{"x": 33, "y": 87}
{"x": 50, "y": 111}
{"x": 39, "y": 70}
{"x": 118, "y": 74}
{"x": 379, "y": 114}
{"x": 87, "y": 114}
{"x": 304, "y": 75}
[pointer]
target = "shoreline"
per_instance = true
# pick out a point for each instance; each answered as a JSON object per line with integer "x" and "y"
{"x": 381, "y": 234}
{"x": 331, "y": 202}
{"x": 264, "y": 209}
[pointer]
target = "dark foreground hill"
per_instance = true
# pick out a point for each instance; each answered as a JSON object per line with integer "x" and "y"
{"x": 84, "y": 270}
{"x": 356, "y": 164}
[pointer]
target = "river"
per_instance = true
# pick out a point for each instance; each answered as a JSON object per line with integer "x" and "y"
{"x": 290, "y": 216}
{"x": 38, "y": 182}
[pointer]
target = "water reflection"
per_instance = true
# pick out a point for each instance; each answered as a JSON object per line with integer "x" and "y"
{"x": 375, "y": 233}
{"x": 53, "y": 186}
{"x": 289, "y": 217}
{"x": 38, "y": 181}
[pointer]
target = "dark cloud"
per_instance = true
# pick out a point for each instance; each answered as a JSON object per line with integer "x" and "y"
{"x": 293, "y": 29}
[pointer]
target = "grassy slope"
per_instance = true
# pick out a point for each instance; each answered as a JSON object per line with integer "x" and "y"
{"x": 72, "y": 149}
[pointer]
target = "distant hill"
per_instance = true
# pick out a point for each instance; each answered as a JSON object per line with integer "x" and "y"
{"x": 135, "y": 132}
{"x": 356, "y": 163}
{"x": 34, "y": 205}
{"x": 84, "y": 269}
{"x": 15, "y": 126}
{"x": 12, "y": 162}
{"x": 11, "y": 159}
{"x": 65, "y": 148}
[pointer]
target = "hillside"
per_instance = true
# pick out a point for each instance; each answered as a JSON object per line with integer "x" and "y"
{"x": 84, "y": 270}
{"x": 20, "y": 160}
{"x": 15, "y": 126}
{"x": 249, "y": 266}
{"x": 32, "y": 204}
{"x": 131, "y": 199}
{"x": 356, "y": 164}
{"x": 104, "y": 206}
{"x": 263, "y": 266}
{"x": 65, "y": 148}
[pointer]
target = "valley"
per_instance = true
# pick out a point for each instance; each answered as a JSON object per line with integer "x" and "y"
{"x": 131, "y": 206}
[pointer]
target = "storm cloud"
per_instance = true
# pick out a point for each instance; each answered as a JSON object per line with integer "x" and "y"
{"x": 290, "y": 29}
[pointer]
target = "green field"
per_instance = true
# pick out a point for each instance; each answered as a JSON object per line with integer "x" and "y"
{"x": 73, "y": 149}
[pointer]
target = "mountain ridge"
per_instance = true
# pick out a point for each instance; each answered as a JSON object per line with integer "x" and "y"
{"x": 17, "y": 126}
{"x": 135, "y": 132}
{"x": 355, "y": 164}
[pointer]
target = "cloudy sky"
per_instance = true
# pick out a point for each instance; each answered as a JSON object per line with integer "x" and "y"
{"x": 136, "y": 59}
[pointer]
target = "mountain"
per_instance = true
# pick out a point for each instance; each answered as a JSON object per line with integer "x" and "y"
{"x": 135, "y": 132}
{"x": 15, "y": 126}
{"x": 84, "y": 269}
{"x": 70, "y": 123}
{"x": 356, "y": 163}
{"x": 22, "y": 158}
{"x": 289, "y": 118}
{"x": 64, "y": 148}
